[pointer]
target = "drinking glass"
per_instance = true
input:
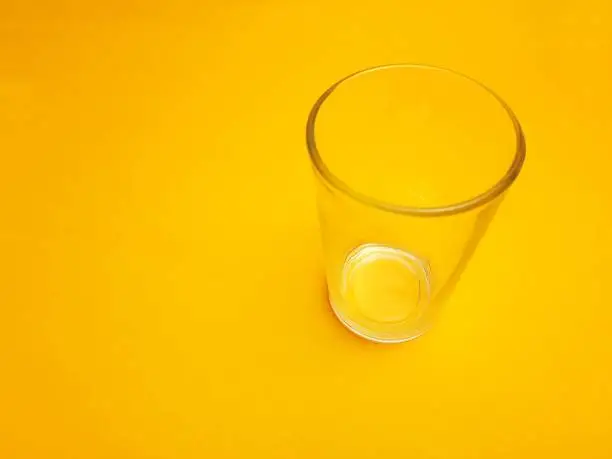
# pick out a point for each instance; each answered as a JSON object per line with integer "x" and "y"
{"x": 411, "y": 162}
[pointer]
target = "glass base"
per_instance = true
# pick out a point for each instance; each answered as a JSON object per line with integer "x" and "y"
{"x": 383, "y": 293}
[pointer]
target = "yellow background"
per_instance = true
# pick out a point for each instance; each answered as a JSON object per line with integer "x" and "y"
{"x": 161, "y": 288}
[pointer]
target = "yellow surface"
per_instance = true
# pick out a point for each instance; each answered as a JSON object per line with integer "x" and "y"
{"x": 160, "y": 281}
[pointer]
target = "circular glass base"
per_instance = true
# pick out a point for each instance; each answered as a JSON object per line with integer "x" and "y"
{"x": 383, "y": 293}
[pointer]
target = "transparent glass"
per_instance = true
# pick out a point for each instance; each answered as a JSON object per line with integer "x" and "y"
{"x": 412, "y": 162}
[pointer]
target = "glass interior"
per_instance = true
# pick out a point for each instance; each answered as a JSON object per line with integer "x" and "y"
{"x": 415, "y": 136}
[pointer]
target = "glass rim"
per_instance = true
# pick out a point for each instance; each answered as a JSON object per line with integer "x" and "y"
{"x": 454, "y": 208}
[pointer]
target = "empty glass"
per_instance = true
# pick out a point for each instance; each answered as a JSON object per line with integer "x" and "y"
{"x": 412, "y": 162}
